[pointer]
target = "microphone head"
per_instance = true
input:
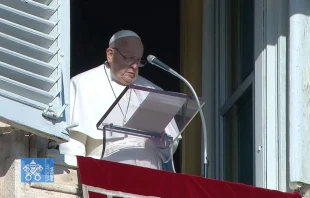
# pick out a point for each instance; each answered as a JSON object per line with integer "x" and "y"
{"x": 150, "y": 58}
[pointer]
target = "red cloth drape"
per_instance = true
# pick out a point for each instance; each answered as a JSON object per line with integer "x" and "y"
{"x": 144, "y": 181}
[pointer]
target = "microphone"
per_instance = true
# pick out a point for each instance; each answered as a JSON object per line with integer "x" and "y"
{"x": 155, "y": 61}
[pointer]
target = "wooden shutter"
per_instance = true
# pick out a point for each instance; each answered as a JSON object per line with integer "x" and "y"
{"x": 35, "y": 66}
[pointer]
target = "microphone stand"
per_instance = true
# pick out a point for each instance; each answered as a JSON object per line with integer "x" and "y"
{"x": 204, "y": 159}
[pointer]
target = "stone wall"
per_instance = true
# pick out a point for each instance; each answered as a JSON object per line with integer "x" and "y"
{"x": 17, "y": 144}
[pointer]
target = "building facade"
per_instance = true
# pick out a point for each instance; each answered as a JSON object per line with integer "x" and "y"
{"x": 254, "y": 65}
{"x": 248, "y": 59}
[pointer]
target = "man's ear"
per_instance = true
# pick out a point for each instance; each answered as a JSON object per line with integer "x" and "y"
{"x": 109, "y": 52}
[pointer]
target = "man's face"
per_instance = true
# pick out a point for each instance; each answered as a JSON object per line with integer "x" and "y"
{"x": 124, "y": 57}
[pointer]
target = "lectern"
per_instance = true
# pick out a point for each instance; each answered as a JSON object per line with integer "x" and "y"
{"x": 146, "y": 112}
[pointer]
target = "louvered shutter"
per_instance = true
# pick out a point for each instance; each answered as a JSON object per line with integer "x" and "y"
{"x": 35, "y": 66}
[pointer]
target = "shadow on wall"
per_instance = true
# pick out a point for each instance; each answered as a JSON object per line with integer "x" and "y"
{"x": 17, "y": 144}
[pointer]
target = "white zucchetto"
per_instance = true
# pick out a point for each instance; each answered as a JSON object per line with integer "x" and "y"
{"x": 122, "y": 34}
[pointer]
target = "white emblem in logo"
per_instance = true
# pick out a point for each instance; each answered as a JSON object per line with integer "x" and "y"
{"x": 33, "y": 169}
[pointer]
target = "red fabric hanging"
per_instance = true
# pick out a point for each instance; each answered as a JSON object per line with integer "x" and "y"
{"x": 121, "y": 180}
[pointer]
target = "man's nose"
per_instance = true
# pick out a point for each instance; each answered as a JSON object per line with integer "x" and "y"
{"x": 135, "y": 64}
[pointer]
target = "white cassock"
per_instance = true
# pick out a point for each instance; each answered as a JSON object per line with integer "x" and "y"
{"x": 91, "y": 96}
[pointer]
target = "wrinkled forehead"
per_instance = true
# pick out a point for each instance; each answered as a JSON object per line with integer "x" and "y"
{"x": 129, "y": 45}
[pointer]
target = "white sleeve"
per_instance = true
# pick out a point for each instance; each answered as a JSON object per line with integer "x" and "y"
{"x": 173, "y": 130}
{"x": 76, "y": 144}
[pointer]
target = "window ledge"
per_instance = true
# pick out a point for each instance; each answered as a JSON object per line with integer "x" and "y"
{"x": 5, "y": 128}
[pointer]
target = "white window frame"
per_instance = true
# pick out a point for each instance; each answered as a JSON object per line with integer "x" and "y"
{"x": 222, "y": 104}
{"x": 271, "y": 18}
{"x": 271, "y": 171}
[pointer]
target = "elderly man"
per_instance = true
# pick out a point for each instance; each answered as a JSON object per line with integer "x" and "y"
{"x": 94, "y": 91}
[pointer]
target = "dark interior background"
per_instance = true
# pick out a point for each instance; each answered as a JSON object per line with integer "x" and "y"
{"x": 157, "y": 23}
